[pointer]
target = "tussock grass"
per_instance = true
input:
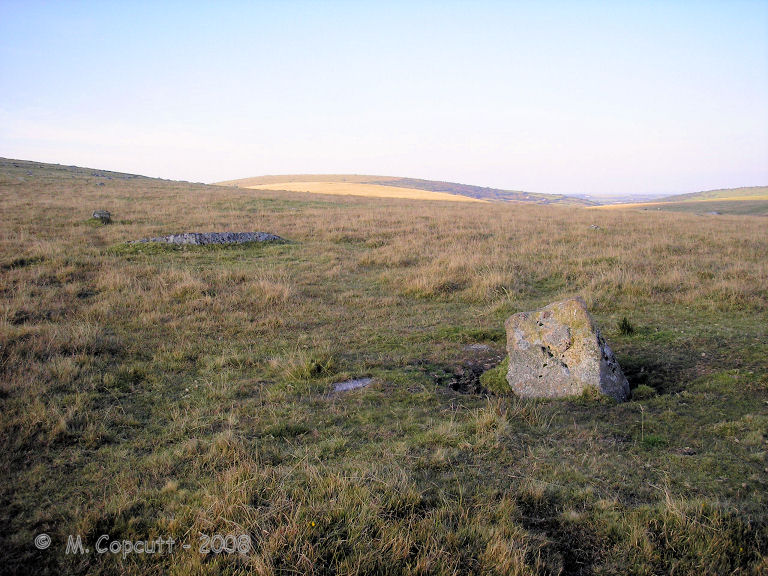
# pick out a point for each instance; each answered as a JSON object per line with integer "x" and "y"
{"x": 172, "y": 392}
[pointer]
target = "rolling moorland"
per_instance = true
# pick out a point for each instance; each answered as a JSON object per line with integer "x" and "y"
{"x": 151, "y": 391}
{"x": 394, "y": 187}
{"x": 745, "y": 201}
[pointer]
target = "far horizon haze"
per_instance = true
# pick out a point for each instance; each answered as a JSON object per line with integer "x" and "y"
{"x": 596, "y": 98}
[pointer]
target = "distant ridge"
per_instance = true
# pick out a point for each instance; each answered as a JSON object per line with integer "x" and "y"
{"x": 753, "y": 192}
{"x": 345, "y": 184}
{"x": 751, "y": 200}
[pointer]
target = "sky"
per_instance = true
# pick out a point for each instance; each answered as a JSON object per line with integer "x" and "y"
{"x": 574, "y": 97}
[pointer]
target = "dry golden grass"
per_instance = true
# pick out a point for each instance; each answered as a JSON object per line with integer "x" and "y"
{"x": 150, "y": 391}
{"x": 362, "y": 189}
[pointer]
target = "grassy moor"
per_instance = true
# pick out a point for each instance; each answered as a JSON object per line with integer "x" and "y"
{"x": 393, "y": 187}
{"x": 149, "y": 391}
{"x": 747, "y": 201}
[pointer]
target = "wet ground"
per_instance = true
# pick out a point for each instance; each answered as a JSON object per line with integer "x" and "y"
{"x": 351, "y": 384}
{"x": 464, "y": 375}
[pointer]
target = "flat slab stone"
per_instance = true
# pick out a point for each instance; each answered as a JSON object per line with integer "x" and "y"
{"x": 351, "y": 384}
{"x": 559, "y": 351}
{"x": 203, "y": 238}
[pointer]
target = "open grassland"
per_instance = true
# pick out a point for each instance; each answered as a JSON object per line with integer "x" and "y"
{"x": 153, "y": 391}
{"x": 359, "y": 189}
{"x": 755, "y": 192}
{"x": 738, "y": 201}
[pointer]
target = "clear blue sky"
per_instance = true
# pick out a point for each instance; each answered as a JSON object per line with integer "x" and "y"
{"x": 563, "y": 97}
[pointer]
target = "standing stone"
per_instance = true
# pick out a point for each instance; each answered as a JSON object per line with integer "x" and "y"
{"x": 558, "y": 351}
{"x": 102, "y": 215}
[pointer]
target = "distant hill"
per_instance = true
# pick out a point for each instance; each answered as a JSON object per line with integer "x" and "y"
{"x": 740, "y": 201}
{"x": 397, "y": 187}
{"x": 747, "y": 193}
{"x": 17, "y": 171}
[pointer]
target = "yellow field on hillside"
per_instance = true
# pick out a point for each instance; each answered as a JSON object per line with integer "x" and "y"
{"x": 280, "y": 178}
{"x": 360, "y": 189}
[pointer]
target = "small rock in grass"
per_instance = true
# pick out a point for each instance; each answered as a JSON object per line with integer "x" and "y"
{"x": 102, "y": 215}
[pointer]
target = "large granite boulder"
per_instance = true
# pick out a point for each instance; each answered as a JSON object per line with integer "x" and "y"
{"x": 558, "y": 351}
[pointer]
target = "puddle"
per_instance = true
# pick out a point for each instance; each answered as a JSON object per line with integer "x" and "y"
{"x": 478, "y": 348}
{"x": 351, "y": 384}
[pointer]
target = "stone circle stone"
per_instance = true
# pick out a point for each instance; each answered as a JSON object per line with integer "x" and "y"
{"x": 203, "y": 238}
{"x": 558, "y": 351}
{"x": 102, "y": 215}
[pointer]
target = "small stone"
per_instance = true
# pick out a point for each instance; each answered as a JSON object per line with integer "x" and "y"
{"x": 559, "y": 351}
{"x": 102, "y": 215}
{"x": 351, "y": 384}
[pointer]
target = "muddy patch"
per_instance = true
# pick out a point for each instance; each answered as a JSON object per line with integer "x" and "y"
{"x": 463, "y": 376}
{"x": 664, "y": 377}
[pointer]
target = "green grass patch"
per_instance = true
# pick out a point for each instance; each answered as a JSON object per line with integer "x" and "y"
{"x": 468, "y": 335}
{"x": 625, "y": 327}
{"x": 495, "y": 379}
{"x": 643, "y": 392}
{"x": 651, "y": 441}
{"x": 96, "y": 223}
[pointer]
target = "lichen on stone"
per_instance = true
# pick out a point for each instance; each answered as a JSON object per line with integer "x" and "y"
{"x": 559, "y": 351}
